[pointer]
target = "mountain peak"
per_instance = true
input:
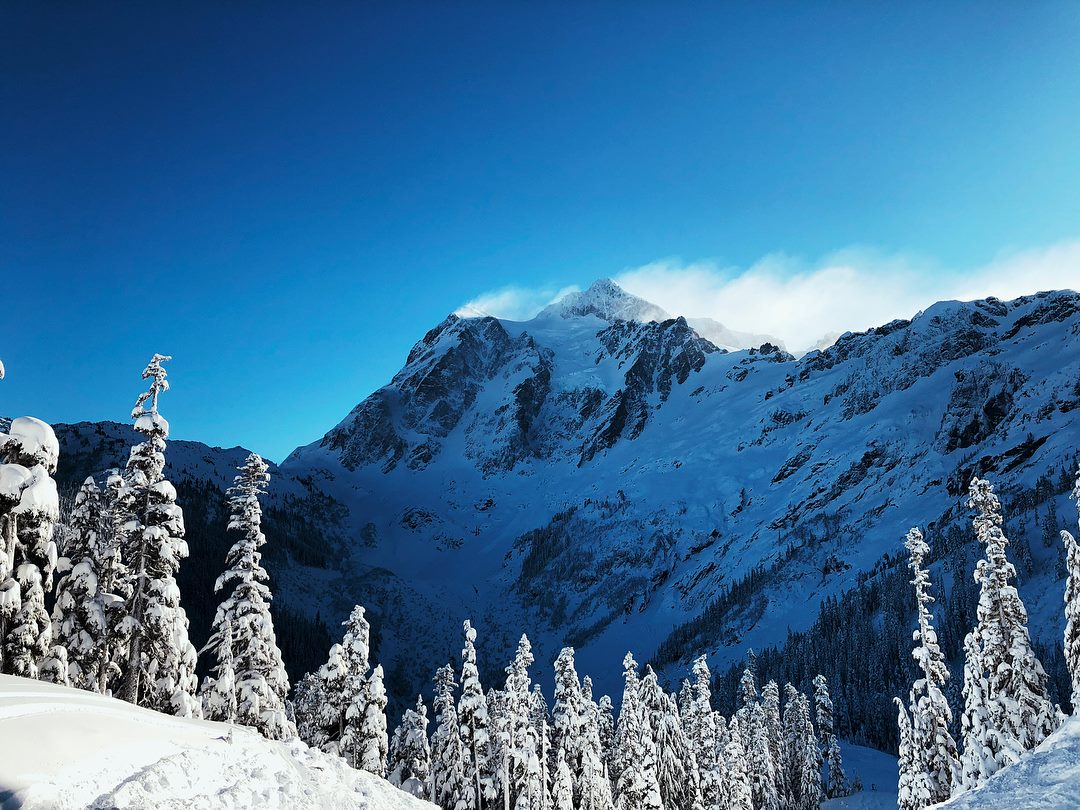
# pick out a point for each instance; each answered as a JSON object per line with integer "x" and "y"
{"x": 606, "y": 300}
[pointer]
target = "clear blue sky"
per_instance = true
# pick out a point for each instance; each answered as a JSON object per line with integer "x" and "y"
{"x": 287, "y": 198}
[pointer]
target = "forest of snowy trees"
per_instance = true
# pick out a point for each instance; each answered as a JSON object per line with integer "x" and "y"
{"x": 117, "y": 627}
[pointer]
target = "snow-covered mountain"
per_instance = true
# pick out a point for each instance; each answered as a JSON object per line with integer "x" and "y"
{"x": 596, "y": 476}
{"x": 608, "y": 301}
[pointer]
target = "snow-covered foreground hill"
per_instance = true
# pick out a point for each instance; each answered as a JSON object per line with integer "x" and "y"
{"x": 65, "y": 748}
{"x": 1047, "y": 778}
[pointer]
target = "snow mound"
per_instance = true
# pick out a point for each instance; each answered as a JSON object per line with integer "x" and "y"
{"x": 64, "y": 748}
{"x": 1048, "y": 778}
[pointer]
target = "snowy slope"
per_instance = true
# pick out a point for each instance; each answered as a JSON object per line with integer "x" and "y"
{"x": 1047, "y": 778}
{"x": 65, "y": 748}
{"x": 597, "y": 481}
{"x": 878, "y": 774}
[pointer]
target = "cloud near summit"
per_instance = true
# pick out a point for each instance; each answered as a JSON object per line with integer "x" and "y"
{"x": 800, "y": 302}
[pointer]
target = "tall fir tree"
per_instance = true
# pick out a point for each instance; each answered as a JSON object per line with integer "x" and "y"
{"x": 29, "y": 510}
{"x": 931, "y": 716}
{"x": 638, "y": 787}
{"x": 451, "y": 788}
{"x": 261, "y": 682}
{"x": 705, "y": 739}
{"x": 410, "y": 753}
{"x": 371, "y": 743}
{"x": 908, "y": 767}
{"x": 761, "y": 770}
{"x": 475, "y": 722}
{"x": 78, "y": 618}
{"x": 568, "y": 716}
{"x": 1019, "y": 710}
{"x": 837, "y": 784}
{"x": 160, "y": 662}
{"x": 1072, "y": 605}
{"x": 735, "y": 779}
{"x": 770, "y": 704}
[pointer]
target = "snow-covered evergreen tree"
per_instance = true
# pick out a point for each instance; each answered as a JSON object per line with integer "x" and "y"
{"x": 596, "y": 724}
{"x": 676, "y": 766}
{"x": 308, "y": 699}
{"x": 475, "y": 723}
{"x": 1019, "y": 712}
{"x": 774, "y": 733}
{"x": 371, "y": 744}
{"x": 261, "y": 682}
{"x": 568, "y": 716}
{"x": 760, "y": 769}
{"x": 606, "y": 731}
{"x": 114, "y": 581}
{"x": 562, "y": 792}
{"x": 1072, "y": 605}
{"x": 521, "y": 778}
{"x": 160, "y": 665}
{"x": 354, "y": 689}
{"x": 219, "y": 692}
{"x": 837, "y": 784}
{"x": 907, "y": 766}
{"x": 410, "y": 753}
{"x": 706, "y": 744}
{"x": 638, "y": 787}
{"x": 734, "y": 776}
{"x": 79, "y": 625}
{"x": 803, "y": 767}
{"x": 29, "y": 510}
{"x": 451, "y": 788}
{"x": 931, "y": 716}
{"x": 986, "y": 750}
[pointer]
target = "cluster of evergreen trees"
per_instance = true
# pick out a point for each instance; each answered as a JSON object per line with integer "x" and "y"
{"x": 506, "y": 748}
{"x": 1007, "y": 709}
{"x": 117, "y": 626}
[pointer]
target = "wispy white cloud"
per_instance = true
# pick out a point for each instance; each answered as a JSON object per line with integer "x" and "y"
{"x": 799, "y": 301}
{"x": 513, "y": 303}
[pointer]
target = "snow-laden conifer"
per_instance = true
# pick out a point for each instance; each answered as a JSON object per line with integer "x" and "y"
{"x": 676, "y": 766}
{"x": 774, "y": 733}
{"x": 475, "y": 722}
{"x": 78, "y": 618}
{"x": 594, "y": 787}
{"x": 908, "y": 768}
{"x": 219, "y": 692}
{"x": 568, "y": 716}
{"x": 931, "y": 716}
{"x": 451, "y": 788}
{"x": 261, "y": 682}
{"x": 371, "y": 744}
{"x": 410, "y": 753}
{"x": 638, "y": 787}
{"x": 706, "y": 744}
{"x": 562, "y": 791}
{"x": 1019, "y": 710}
{"x": 837, "y": 784}
{"x": 1072, "y": 605}
{"x": 29, "y": 510}
{"x": 735, "y": 779}
{"x": 160, "y": 664}
{"x": 760, "y": 770}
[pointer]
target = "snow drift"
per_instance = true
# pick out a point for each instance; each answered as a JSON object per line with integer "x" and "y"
{"x": 66, "y": 748}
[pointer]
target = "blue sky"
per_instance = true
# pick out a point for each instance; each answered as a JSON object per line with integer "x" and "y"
{"x": 286, "y": 198}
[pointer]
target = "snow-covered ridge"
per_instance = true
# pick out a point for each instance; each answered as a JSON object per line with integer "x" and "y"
{"x": 66, "y": 748}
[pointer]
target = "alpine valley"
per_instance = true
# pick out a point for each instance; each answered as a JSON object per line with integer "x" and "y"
{"x": 611, "y": 477}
